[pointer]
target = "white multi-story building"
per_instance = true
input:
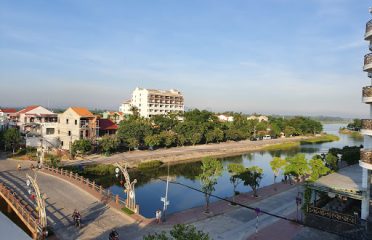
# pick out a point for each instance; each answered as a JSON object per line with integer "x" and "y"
{"x": 150, "y": 102}
{"x": 366, "y": 152}
{"x": 5, "y": 117}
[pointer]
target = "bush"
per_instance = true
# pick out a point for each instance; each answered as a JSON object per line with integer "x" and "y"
{"x": 127, "y": 211}
{"x": 99, "y": 170}
{"x": 82, "y": 146}
{"x": 150, "y": 164}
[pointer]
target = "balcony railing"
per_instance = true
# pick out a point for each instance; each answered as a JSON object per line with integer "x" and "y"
{"x": 367, "y": 124}
{"x": 368, "y": 29}
{"x": 367, "y": 59}
{"x": 366, "y": 155}
{"x": 367, "y": 91}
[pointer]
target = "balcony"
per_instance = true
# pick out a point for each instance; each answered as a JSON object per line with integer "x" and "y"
{"x": 367, "y": 127}
{"x": 367, "y": 62}
{"x": 367, "y": 94}
{"x": 366, "y": 158}
{"x": 368, "y": 34}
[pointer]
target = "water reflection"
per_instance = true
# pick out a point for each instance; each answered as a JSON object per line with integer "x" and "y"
{"x": 150, "y": 188}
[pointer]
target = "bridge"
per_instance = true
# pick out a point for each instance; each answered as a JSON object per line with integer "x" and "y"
{"x": 66, "y": 191}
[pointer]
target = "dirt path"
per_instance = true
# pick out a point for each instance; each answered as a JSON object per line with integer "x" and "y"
{"x": 188, "y": 153}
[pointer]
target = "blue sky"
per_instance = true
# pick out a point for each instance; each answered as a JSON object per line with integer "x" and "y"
{"x": 267, "y": 56}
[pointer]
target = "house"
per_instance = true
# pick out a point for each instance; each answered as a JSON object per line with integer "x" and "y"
{"x": 225, "y": 118}
{"x": 76, "y": 123}
{"x": 5, "y": 121}
{"x": 106, "y": 127}
{"x": 261, "y": 118}
{"x": 116, "y": 117}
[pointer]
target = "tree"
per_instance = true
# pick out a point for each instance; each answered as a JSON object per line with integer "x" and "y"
{"x": 277, "y": 164}
{"x": 179, "y": 232}
{"x": 297, "y": 166}
{"x": 81, "y": 146}
{"x": 252, "y": 177}
{"x": 134, "y": 128}
{"x": 109, "y": 144}
{"x": 196, "y": 138}
{"x": 331, "y": 161}
{"x": 235, "y": 169}
{"x": 289, "y": 131}
{"x": 318, "y": 169}
{"x": 181, "y": 139}
{"x": 12, "y": 138}
{"x": 169, "y": 138}
{"x": 211, "y": 170}
{"x": 132, "y": 143}
{"x": 153, "y": 140}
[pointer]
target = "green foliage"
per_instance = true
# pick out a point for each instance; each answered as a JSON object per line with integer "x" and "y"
{"x": 351, "y": 155}
{"x": 307, "y": 198}
{"x": 12, "y": 138}
{"x": 355, "y": 125}
{"x": 211, "y": 170}
{"x": 169, "y": 138}
{"x": 109, "y": 144}
{"x": 99, "y": 170}
{"x": 150, "y": 164}
{"x": 282, "y": 146}
{"x": 179, "y": 232}
{"x": 235, "y": 169}
{"x": 252, "y": 177}
{"x": 153, "y": 140}
{"x": 297, "y": 166}
{"x": 127, "y": 211}
{"x": 331, "y": 161}
{"x": 133, "y": 130}
{"x": 318, "y": 169}
{"x": 277, "y": 164}
{"x": 321, "y": 139}
{"x": 81, "y": 146}
{"x": 53, "y": 160}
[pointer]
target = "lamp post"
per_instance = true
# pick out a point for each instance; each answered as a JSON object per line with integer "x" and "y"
{"x": 258, "y": 211}
{"x": 128, "y": 187}
{"x": 298, "y": 202}
{"x": 33, "y": 187}
{"x": 165, "y": 199}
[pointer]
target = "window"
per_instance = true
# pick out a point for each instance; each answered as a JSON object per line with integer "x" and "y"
{"x": 75, "y": 122}
{"x": 69, "y": 133}
{"x": 66, "y": 121}
{"x": 59, "y": 132}
{"x": 61, "y": 143}
{"x": 49, "y": 131}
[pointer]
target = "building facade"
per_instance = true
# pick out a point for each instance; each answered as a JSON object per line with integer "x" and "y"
{"x": 116, "y": 117}
{"x": 150, "y": 102}
{"x": 366, "y": 153}
{"x": 5, "y": 120}
{"x": 76, "y": 123}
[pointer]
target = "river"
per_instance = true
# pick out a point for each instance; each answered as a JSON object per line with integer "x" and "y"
{"x": 150, "y": 188}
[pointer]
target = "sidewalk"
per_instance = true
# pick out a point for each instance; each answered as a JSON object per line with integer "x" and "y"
{"x": 221, "y": 207}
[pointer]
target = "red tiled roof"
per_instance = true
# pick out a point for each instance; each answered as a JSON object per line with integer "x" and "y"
{"x": 27, "y": 109}
{"x": 8, "y": 110}
{"x": 83, "y": 112}
{"x": 107, "y": 124}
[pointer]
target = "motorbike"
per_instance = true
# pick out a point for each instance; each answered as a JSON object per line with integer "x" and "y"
{"x": 114, "y": 235}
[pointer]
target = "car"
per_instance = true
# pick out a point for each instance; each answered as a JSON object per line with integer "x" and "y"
{"x": 266, "y": 137}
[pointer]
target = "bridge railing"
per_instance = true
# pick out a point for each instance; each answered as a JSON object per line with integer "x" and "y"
{"x": 87, "y": 184}
{"x": 25, "y": 213}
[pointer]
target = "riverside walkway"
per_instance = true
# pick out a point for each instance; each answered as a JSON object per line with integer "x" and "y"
{"x": 98, "y": 218}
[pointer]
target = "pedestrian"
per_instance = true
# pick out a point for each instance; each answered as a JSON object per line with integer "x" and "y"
{"x": 285, "y": 178}
{"x": 19, "y": 166}
{"x": 157, "y": 216}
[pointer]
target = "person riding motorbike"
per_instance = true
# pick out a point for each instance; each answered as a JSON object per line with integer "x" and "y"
{"x": 77, "y": 218}
{"x": 114, "y": 235}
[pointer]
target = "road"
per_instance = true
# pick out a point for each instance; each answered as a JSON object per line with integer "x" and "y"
{"x": 62, "y": 199}
{"x": 187, "y": 153}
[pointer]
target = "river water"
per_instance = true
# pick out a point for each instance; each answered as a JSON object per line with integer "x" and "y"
{"x": 151, "y": 188}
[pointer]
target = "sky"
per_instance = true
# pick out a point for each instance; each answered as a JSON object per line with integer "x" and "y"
{"x": 264, "y": 56}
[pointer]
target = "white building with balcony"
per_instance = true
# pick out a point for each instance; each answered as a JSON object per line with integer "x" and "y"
{"x": 150, "y": 102}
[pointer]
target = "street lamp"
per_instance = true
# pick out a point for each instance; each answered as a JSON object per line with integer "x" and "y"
{"x": 128, "y": 187}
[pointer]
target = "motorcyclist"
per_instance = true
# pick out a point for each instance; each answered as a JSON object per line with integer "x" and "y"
{"x": 114, "y": 235}
{"x": 77, "y": 217}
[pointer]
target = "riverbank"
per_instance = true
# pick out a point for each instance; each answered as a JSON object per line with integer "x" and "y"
{"x": 190, "y": 153}
{"x": 354, "y": 134}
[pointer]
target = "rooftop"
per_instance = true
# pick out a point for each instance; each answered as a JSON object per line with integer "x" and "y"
{"x": 83, "y": 112}
{"x": 107, "y": 124}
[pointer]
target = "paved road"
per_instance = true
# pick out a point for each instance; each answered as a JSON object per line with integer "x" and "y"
{"x": 62, "y": 199}
{"x": 179, "y": 154}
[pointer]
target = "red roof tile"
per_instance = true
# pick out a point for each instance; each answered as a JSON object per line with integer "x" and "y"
{"x": 27, "y": 109}
{"x": 8, "y": 110}
{"x": 107, "y": 124}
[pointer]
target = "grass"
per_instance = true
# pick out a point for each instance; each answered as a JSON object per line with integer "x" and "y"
{"x": 282, "y": 146}
{"x": 150, "y": 164}
{"x": 321, "y": 139}
{"x": 353, "y": 134}
{"x": 127, "y": 211}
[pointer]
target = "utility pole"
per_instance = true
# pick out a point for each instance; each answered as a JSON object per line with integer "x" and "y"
{"x": 165, "y": 199}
